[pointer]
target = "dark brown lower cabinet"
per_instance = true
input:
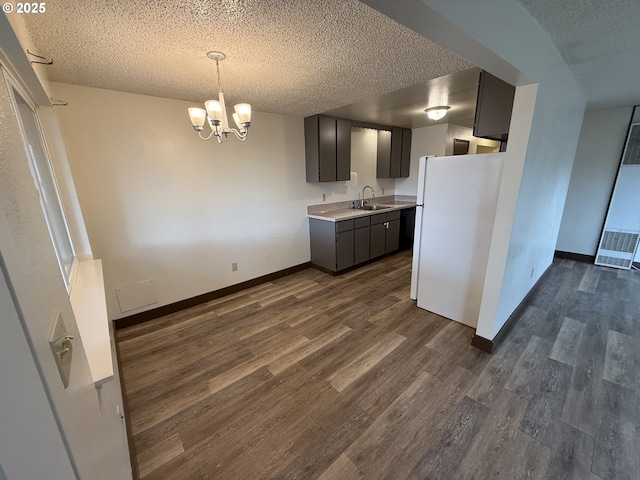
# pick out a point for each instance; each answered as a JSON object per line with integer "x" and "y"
{"x": 344, "y": 250}
{"x": 361, "y": 240}
{"x": 377, "y": 243}
{"x": 385, "y": 233}
{"x": 336, "y": 246}
{"x": 392, "y": 237}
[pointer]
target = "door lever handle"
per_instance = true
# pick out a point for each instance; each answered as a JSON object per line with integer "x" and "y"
{"x": 63, "y": 340}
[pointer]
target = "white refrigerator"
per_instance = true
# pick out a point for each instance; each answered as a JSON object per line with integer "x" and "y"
{"x": 455, "y": 214}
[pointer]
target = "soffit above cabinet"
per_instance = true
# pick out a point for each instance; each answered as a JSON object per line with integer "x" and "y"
{"x": 405, "y": 107}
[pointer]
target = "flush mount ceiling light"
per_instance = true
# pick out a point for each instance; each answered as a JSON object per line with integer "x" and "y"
{"x": 215, "y": 112}
{"x": 436, "y": 113}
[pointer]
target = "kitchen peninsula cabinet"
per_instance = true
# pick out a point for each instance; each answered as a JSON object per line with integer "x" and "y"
{"x": 394, "y": 153}
{"x": 332, "y": 244}
{"x": 336, "y": 246}
{"x": 327, "y": 148}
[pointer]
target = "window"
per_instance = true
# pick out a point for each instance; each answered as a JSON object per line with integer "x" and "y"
{"x": 45, "y": 182}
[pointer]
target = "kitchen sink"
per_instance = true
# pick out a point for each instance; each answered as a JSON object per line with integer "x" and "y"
{"x": 373, "y": 207}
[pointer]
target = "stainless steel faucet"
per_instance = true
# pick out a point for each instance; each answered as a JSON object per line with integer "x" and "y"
{"x": 373, "y": 194}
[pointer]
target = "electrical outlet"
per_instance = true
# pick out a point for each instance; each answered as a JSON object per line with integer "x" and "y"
{"x": 234, "y": 267}
{"x": 383, "y": 191}
{"x": 324, "y": 197}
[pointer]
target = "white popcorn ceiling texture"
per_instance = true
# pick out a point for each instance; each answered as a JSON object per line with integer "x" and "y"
{"x": 588, "y": 30}
{"x": 283, "y": 56}
{"x": 600, "y": 41}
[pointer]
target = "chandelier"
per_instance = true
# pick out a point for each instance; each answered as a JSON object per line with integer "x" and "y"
{"x": 215, "y": 113}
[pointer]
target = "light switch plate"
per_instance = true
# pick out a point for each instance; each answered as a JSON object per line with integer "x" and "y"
{"x": 61, "y": 347}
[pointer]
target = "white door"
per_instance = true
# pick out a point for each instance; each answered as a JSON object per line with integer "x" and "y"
{"x": 31, "y": 445}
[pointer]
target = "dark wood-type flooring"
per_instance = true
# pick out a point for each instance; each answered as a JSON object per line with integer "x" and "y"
{"x": 313, "y": 376}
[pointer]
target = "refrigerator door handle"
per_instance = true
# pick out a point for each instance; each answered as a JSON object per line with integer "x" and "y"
{"x": 415, "y": 261}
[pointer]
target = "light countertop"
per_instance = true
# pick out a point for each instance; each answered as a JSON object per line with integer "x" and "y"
{"x": 336, "y": 215}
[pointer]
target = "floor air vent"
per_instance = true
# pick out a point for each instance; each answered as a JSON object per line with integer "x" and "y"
{"x": 617, "y": 249}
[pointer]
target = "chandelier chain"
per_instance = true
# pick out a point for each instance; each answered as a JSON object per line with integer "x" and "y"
{"x": 218, "y": 71}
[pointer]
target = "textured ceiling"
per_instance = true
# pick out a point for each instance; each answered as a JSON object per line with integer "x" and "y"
{"x": 283, "y": 56}
{"x": 310, "y": 56}
{"x": 600, "y": 41}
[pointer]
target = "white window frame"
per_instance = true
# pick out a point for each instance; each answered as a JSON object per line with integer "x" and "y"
{"x": 13, "y": 85}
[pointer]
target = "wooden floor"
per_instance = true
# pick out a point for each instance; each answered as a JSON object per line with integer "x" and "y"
{"x": 313, "y": 376}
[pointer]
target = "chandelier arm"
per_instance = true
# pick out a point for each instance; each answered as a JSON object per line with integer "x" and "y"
{"x": 239, "y": 135}
{"x": 207, "y": 137}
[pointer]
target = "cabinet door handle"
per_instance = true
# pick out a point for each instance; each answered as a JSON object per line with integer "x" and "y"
{"x": 386, "y": 225}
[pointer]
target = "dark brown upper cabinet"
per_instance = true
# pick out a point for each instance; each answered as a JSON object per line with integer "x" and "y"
{"x": 327, "y": 148}
{"x": 394, "y": 153}
{"x": 493, "y": 108}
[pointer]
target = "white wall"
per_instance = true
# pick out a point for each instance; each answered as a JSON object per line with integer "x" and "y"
{"x": 364, "y": 152}
{"x": 550, "y": 148}
{"x": 161, "y": 204}
{"x": 597, "y": 159}
{"x": 95, "y": 434}
{"x": 424, "y": 141}
{"x": 502, "y": 38}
